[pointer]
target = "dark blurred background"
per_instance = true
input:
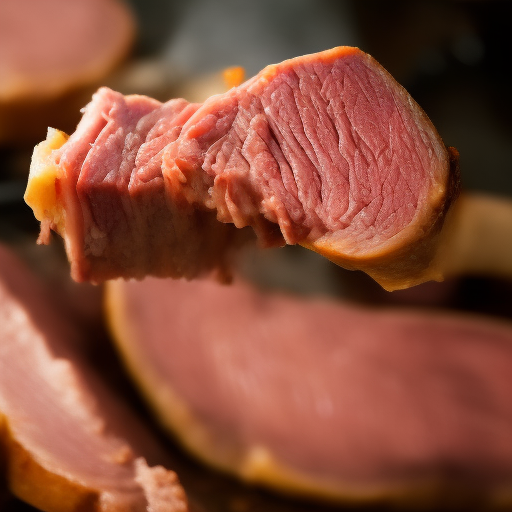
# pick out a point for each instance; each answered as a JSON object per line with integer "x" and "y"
{"x": 452, "y": 56}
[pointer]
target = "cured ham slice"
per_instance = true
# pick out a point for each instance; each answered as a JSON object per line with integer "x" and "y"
{"x": 49, "y": 53}
{"x": 67, "y": 444}
{"x": 324, "y": 399}
{"x": 324, "y": 150}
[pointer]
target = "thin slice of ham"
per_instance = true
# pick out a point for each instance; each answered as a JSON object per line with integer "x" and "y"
{"x": 325, "y": 150}
{"x": 67, "y": 444}
{"x": 319, "y": 398}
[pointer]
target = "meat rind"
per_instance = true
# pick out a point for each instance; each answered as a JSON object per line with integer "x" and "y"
{"x": 324, "y": 150}
{"x": 321, "y": 399}
{"x": 409, "y": 264}
{"x": 67, "y": 444}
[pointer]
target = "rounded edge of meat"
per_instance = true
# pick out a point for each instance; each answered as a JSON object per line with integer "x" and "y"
{"x": 404, "y": 265}
{"x": 66, "y": 443}
{"x": 208, "y": 167}
{"x": 52, "y": 56}
{"x": 108, "y": 25}
{"x": 432, "y": 485}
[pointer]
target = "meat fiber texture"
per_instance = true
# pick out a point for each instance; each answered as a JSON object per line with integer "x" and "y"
{"x": 66, "y": 444}
{"x": 318, "y": 398}
{"x": 324, "y": 150}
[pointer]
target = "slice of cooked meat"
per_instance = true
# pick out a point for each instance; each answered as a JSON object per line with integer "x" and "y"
{"x": 325, "y": 150}
{"x": 66, "y": 443}
{"x": 324, "y": 399}
{"x": 49, "y": 52}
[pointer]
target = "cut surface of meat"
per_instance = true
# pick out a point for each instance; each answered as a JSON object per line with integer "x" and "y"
{"x": 318, "y": 398}
{"x": 68, "y": 445}
{"x": 325, "y": 150}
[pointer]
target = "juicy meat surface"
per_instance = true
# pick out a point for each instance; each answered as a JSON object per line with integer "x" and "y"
{"x": 325, "y": 150}
{"x": 67, "y": 444}
{"x": 320, "y": 397}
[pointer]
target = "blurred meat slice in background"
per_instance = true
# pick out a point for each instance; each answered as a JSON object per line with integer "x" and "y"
{"x": 49, "y": 52}
{"x": 318, "y": 398}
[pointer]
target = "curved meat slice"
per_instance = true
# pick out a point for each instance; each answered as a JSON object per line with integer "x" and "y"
{"x": 51, "y": 50}
{"x": 324, "y": 150}
{"x": 67, "y": 444}
{"x": 318, "y": 398}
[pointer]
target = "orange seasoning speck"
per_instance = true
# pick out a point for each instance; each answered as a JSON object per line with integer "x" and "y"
{"x": 233, "y": 76}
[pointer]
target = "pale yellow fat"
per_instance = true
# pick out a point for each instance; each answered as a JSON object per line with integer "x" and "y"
{"x": 40, "y": 193}
{"x": 477, "y": 237}
{"x": 30, "y": 481}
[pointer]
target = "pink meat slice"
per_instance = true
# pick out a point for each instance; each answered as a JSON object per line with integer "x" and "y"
{"x": 360, "y": 402}
{"x": 325, "y": 150}
{"x": 68, "y": 443}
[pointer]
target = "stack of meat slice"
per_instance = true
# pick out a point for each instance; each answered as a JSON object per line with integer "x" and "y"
{"x": 325, "y": 150}
{"x": 325, "y": 399}
{"x": 66, "y": 443}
